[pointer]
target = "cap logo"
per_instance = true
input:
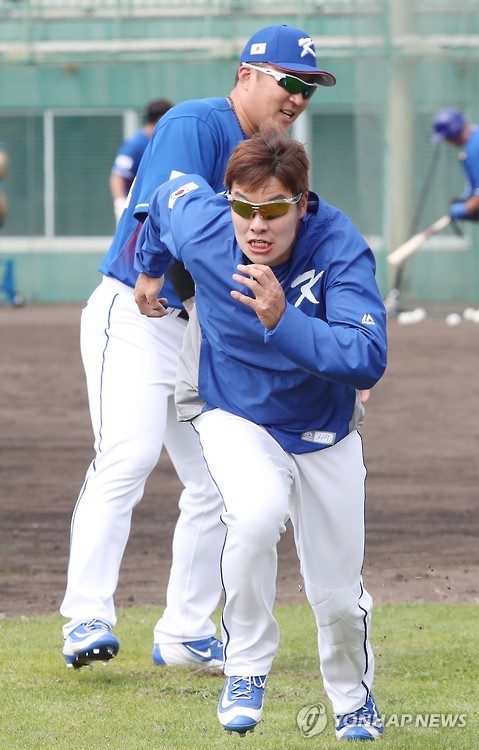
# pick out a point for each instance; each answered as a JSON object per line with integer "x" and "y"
{"x": 258, "y": 49}
{"x": 306, "y": 43}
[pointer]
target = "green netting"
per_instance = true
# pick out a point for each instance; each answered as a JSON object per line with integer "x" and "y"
{"x": 73, "y": 73}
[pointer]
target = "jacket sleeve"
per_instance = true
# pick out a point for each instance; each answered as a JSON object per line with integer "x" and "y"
{"x": 349, "y": 344}
{"x": 170, "y": 223}
{"x": 152, "y": 256}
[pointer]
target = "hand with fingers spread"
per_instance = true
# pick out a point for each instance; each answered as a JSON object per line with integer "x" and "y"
{"x": 269, "y": 302}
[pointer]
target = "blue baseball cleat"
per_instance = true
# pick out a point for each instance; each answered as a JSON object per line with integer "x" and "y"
{"x": 206, "y": 654}
{"x": 241, "y": 704}
{"x": 363, "y": 724}
{"x": 91, "y": 641}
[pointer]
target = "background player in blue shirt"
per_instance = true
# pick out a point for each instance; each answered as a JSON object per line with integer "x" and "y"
{"x": 131, "y": 361}
{"x": 128, "y": 156}
{"x": 292, "y": 326}
{"x": 451, "y": 125}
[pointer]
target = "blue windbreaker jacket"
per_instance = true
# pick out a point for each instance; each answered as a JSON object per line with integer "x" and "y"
{"x": 299, "y": 380}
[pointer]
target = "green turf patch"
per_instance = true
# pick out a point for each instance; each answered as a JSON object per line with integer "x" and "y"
{"x": 426, "y": 687}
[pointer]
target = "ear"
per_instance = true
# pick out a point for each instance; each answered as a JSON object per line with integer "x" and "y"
{"x": 244, "y": 74}
{"x": 303, "y": 204}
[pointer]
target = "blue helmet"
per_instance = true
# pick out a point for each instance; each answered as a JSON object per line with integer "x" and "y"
{"x": 449, "y": 124}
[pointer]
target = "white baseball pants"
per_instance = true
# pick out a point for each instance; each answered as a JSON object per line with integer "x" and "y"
{"x": 324, "y": 495}
{"x": 130, "y": 364}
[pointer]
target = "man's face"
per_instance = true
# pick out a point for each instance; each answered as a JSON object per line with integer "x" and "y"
{"x": 267, "y": 101}
{"x": 267, "y": 241}
{"x": 455, "y": 141}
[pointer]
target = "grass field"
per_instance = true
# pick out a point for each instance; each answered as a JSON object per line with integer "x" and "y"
{"x": 426, "y": 687}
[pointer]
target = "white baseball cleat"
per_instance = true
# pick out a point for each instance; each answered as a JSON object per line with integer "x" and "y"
{"x": 206, "y": 654}
{"x": 363, "y": 724}
{"x": 89, "y": 642}
{"x": 240, "y": 707}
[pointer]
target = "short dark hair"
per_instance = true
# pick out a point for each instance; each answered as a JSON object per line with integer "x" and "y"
{"x": 157, "y": 109}
{"x": 267, "y": 154}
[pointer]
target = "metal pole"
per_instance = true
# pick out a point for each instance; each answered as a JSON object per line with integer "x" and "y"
{"x": 400, "y": 126}
{"x": 49, "y": 173}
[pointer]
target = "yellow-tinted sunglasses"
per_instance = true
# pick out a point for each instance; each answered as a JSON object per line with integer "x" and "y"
{"x": 267, "y": 210}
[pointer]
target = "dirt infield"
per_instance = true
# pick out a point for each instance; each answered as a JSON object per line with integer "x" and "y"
{"x": 421, "y": 442}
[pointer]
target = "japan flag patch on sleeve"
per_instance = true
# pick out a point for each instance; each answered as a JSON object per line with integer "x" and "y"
{"x": 183, "y": 190}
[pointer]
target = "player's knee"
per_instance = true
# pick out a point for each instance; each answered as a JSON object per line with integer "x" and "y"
{"x": 201, "y": 507}
{"x": 257, "y": 528}
{"x": 341, "y": 610}
{"x": 129, "y": 459}
{"x": 143, "y": 457}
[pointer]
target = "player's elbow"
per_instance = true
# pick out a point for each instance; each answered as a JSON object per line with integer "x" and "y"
{"x": 366, "y": 363}
{"x": 373, "y": 372}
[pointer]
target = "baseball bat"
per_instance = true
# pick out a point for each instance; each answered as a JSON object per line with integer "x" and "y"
{"x": 401, "y": 253}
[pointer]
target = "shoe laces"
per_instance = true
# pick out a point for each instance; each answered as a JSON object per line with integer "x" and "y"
{"x": 95, "y": 625}
{"x": 367, "y": 715}
{"x": 242, "y": 688}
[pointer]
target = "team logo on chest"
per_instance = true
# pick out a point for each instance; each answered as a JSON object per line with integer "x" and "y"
{"x": 305, "y": 282}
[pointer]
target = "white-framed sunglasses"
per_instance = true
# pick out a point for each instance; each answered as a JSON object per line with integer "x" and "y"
{"x": 290, "y": 83}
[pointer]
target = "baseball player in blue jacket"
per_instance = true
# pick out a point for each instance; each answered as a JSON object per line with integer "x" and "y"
{"x": 131, "y": 362}
{"x": 292, "y": 326}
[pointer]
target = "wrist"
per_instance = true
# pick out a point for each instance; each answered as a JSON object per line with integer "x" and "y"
{"x": 458, "y": 210}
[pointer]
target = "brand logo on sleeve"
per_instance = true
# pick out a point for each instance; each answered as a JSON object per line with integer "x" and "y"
{"x": 183, "y": 190}
{"x": 368, "y": 320}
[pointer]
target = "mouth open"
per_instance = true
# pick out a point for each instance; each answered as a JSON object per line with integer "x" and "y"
{"x": 259, "y": 246}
